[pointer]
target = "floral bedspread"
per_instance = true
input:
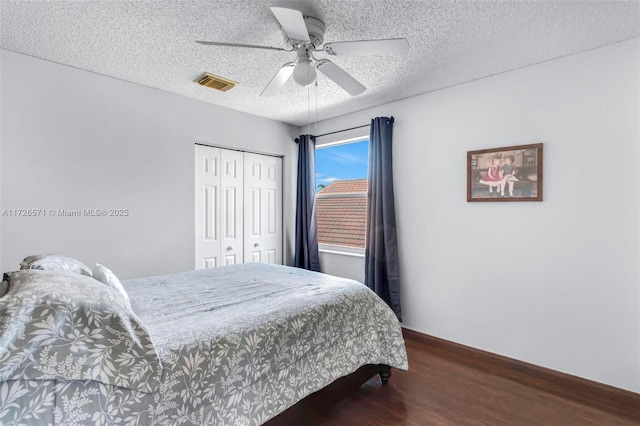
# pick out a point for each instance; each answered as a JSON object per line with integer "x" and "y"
{"x": 238, "y": 345}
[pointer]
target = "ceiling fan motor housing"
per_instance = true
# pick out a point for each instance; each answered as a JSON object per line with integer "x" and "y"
{"x": 315, "y": 28}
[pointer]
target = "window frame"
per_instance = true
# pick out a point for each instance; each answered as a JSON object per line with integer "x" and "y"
{"x": 336, "y": 249}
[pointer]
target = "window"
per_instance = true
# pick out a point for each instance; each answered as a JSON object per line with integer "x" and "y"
{"x": 341, "y": 197}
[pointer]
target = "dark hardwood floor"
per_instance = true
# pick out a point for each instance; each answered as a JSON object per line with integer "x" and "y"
{"x": 446, "y": 388}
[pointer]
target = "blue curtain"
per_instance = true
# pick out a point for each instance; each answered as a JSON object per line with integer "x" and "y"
{"x": 306, "y": 252}
{"x": 381, "y": 253}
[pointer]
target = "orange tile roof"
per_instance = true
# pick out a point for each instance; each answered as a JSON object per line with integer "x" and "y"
{"x": 342, "y": 219}
{"x": 346, "y": 186}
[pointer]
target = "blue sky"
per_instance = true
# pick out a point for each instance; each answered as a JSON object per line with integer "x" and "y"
{"x": 342, "y": 162}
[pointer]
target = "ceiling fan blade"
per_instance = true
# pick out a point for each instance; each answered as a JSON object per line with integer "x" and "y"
{"x": 292, "y": 22}
{"x": 252, "y": 46}
{"x": 279, "y": 79}
{"x": 340, "y": 77}
{"x": 393, "y": 46}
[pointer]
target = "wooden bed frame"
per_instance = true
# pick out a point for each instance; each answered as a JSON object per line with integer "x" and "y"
{"x": 311, "y": 407}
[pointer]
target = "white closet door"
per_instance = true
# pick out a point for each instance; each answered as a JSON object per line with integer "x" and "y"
{"x": 262, "y": 208}
{"x": 207, "y": 207}
{"x": 231, "y": 201}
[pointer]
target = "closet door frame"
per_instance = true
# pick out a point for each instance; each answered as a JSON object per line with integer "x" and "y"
{"x": 198, "y": 262}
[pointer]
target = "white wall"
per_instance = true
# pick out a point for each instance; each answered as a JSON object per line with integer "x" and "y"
{"x": 342, "y": 265}
{"x": 72, "y": 139}
{"x": 555, "y": 283}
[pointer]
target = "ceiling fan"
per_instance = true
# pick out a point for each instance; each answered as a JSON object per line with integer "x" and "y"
{"x": 304, "y": 35}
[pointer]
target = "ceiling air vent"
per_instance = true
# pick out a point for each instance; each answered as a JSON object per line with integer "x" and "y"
{"x": 215, "y": 82}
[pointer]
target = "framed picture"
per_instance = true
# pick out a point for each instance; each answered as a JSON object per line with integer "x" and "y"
{"x": 512, "y": 173}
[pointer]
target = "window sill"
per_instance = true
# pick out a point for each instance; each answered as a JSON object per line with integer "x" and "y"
{"x": 346, "y": 251}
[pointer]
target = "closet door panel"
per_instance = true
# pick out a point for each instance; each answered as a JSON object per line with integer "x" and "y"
{"x": 263, "y": 208}
{"x": 207, "y": 209}
{"x": 231, "y": 214}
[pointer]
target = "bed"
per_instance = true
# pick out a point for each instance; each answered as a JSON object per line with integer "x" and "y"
{"x": 234, "y": 345}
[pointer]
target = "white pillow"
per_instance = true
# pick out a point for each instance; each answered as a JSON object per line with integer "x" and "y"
{"x": 106, "y": 276}
{"x": 55, "y": 262}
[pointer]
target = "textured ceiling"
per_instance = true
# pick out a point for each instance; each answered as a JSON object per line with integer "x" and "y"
{"x": 152, "y": 43}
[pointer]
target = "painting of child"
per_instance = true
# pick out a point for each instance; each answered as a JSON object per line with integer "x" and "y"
{"x": 505, "y": 174}
{"x": 493, "y": 177}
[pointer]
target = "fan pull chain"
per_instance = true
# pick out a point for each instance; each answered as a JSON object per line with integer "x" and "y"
{"x": 309, "y": 110}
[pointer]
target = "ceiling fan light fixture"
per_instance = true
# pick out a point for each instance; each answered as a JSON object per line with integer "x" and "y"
{"x": 304, "y": 73}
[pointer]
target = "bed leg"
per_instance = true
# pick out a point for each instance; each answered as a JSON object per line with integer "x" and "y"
{"x": 385, "y": 374}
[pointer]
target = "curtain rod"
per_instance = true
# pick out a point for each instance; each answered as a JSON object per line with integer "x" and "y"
{"x": 339, "y": 131}
{"x": 343, "y": 130}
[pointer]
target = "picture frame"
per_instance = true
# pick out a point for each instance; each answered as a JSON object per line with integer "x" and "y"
{"x": 511, "y": 173}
